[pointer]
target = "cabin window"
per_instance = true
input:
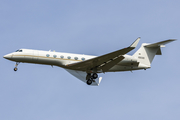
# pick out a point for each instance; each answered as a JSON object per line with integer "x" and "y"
{"x": 76, "y": 58}
{"x": 54, "y": 56}
{"x": 62, "y": 56}
{"x": 47, "y": 55}
{"x": 82, "y": 59}
{"x": 69, "y": 57}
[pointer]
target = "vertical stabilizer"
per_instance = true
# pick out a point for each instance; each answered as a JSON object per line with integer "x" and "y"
{"x": 146, "y": 52}
{"x": 146, "y": 55}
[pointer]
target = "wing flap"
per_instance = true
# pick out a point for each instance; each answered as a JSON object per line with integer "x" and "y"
{"x": 110, "y": 64}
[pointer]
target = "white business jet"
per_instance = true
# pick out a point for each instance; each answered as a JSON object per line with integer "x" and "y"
{"x": 87, "y": 67}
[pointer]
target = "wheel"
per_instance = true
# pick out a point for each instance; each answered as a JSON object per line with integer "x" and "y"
{"x": 15, "y": 69}
{"x": 95, "y": 75}
{"x": 89, "y": 82}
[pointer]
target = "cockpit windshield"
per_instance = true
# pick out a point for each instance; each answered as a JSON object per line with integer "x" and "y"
{"x": 18, "y": 50}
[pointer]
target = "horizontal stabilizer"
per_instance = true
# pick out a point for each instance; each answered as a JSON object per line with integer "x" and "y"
{"x": 160, "y": 44}
{"x": 147, "y": 52}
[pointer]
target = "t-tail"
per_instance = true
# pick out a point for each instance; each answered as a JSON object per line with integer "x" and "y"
{"x": 147, "y": 52}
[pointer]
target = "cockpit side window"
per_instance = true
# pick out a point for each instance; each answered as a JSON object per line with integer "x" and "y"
{"x": 18, "y": 50}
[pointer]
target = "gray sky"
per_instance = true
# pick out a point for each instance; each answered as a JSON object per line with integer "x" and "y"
{"x": 95, "y": 28}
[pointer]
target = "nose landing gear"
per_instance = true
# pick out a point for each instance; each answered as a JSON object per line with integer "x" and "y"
{"x": 15, "y": 69}
{"x": 17, "y": 63}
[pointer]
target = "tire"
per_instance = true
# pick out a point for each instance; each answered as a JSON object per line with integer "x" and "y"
{"x": 89, "y": 82}
{"x": 15, "y": 69}
{"x": 95, "y": 75}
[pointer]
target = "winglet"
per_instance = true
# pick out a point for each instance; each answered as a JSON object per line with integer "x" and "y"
{"x": 134, "y": 44}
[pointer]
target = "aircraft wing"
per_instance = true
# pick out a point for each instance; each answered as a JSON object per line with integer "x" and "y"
{"x": 104, "y": 62}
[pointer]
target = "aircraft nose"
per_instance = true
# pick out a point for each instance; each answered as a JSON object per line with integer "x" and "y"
{"x": 8, "y": 56}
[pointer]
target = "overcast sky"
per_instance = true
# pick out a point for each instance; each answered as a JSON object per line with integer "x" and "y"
{"x": 94, "y": 27}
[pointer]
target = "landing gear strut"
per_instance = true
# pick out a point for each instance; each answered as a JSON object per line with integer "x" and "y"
{"x": 17, "y": 63}
{"x": 90, "y": 78}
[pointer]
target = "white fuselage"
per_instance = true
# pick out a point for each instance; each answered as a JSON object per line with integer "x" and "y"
{"x": 63, "y": 59}
{"x": 87, "y": 67}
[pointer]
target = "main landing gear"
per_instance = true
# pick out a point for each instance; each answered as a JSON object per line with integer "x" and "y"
{"x": 90, "y": 78}
{"x": 17, "y": 63}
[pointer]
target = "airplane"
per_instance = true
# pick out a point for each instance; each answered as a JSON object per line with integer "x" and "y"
{"x": 87, "y": 67}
